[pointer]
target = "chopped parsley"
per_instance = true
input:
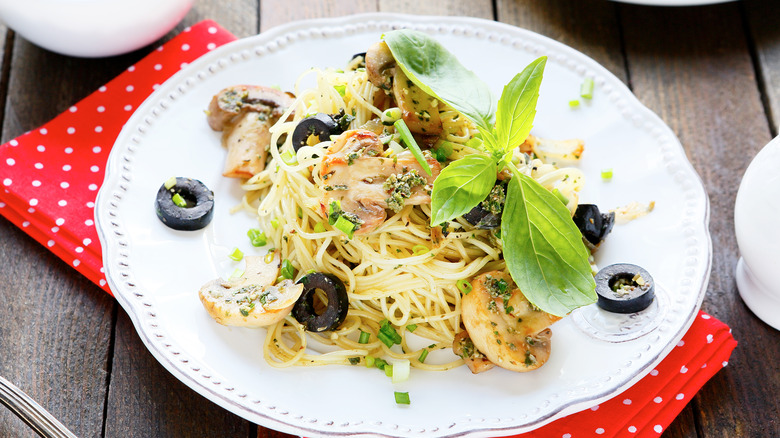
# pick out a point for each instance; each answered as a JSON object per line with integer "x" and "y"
{"x": 399, "y": 188}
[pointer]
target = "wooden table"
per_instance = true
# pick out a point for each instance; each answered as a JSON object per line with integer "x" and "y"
{"x": 711, "y": 72}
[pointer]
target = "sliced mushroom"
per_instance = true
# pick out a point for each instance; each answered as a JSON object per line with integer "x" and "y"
{"x": 380, "y": 65}
{"x": 464, "y": 347}
{"x": 557, "y": 152}
{"x": 251, "y": 300}
{"x": 504, "y": 326}
{"x": 244, "y": 114}
{"x": 355, "y": 173}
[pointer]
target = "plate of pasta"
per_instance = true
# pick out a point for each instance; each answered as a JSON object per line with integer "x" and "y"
{"x": 405, "y": 228}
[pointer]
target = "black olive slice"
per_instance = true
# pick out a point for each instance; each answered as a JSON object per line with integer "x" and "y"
{"x": 482, "y": 219}
{"x": 593, "y": 225}
{"x": 320, "y": 125}
{"x": 336, "y": 310}
{"x": 199, "y": 208}
{"x": 624, "y": 288}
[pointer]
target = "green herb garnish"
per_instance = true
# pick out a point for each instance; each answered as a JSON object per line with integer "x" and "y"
{"x": 411, "y": 143}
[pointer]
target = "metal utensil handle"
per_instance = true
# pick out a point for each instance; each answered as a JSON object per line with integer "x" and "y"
{"x": 31, "y": 412}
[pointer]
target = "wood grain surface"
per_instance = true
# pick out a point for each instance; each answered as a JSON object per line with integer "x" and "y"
{"x": 712, "y": 73}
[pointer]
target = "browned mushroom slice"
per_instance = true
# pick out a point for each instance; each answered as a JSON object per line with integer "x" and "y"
{"x": 509, "y": 330}
{"x": 420, "y": 110}
{"x": 464, "y": 347}
{"x": 366, "y": 184}
{"x": 380, "y": 65}
{"x": 244, "y": 114}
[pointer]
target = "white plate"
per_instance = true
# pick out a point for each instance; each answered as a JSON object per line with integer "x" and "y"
{"x": 155, "y": 272}
{"x": 674, "y": 2}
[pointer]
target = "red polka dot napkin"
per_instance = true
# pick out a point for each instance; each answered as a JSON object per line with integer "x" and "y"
{"x": 49, "y": 178}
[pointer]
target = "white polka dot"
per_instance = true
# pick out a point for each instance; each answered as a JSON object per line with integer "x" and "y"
{"x": 704, "y": 366}
{"x": 658, "y": 428}
{"x": 654, "y": 373}
{"x": 66, "y": 167}
{"x": 566, "y": 435}
{"x": 36, "y": 183}
{"x": 25, "y": 224}
{"x": 72, "y": 109}
{"x": 131, "y": 68}
{"x": 13, "y": 143}
{"x": 94, "y": 168}
{"x": 50, "y": 243}
{"x": 683, "y": 369}
{"x": 705, "y": 316}
{"x": 93, "y": 187}
{"x": 632, "y": 429}
{"x": 725, "y": 363}
{"x": 64, "y": 185}
{"x": 187, "y": 29}
{"x": 62, "y": 203}
{"x": 39, "y": 166}
{"x": 71, "y": 130}
{"x": 76, "y": 262}
{"x": 41, "y": 148}
{"x": 44, "y": 131}
{"x": 69, "y": 150}
{"x": 89, "y": 222}
{"x": 98, "y": 129}
{"x": 86, "y": 241}
{"x": 10, "y": 161}
{"x": 681, "y": 343}
{"x": 183, "y": 64}
{"x": 7, "y": 182}
{"x": 128, "y": 107}
{"x": 211, "y": 46}
{"x": 31, "y": 210}
{"x": 79, "y": 250}
{"x": 60, "y": 221}
{"x": 595, "y": 408}
{"x": 102, "y": 89}
{"x": 627, "y": 401}
{"x": 55, "y": 229}
{"x": 33, "y": 202}
{"x": 2, "y": 204}
{"x": 600, "y": 431}
{"x": 185, "y": 47}
{"x": 91, "y": 204}
{"x": 102, "y": 283}
{"x": 97, "y": 149}
{"x": 658, "y": 399}
{"x": 680, "y": 396}
{"x": 212, "y": 30}
{"x": 710, "y": 338}
{"x": 155, "y": 86}
{"x": 160, "y": 49}
{"x": 102, "y": 269}
{"x": 129, "y": 88}
{"x": 158, "y": 67}
{"x": 101, "y": 108}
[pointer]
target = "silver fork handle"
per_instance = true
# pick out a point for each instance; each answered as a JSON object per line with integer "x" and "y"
{"x": 31, "y": 412}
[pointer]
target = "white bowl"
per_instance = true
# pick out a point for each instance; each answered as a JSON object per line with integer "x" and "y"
{"x": 92, "y": 28}
{"x": 757, "y": 226}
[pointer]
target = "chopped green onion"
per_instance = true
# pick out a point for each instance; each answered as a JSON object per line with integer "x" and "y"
{"x": 411, "y": 143}
{"x": 586, "y": 89}
{"x": 380, "y": 363}
{"x": 289, "y": 158}
{"x": 402, "y": 398}
{"x": 474, "y": 143}
{"x": 385, "y": 339}
{"x": 342, "y": 89}
{"x": 288, "y": 270}
{"x": 256, "y": 237}
{"x": 388, "y": 369}
{"x": 560, "y": 196}
{"x": 170, "y": 182}
{"x": 391, "y": 115}
{"x": 370, "y": 361}
{"x": 411, "y": 327}
{"x": 401, "y": 371}
{"x": 364, "y": 337}
{"x": 237, "y": 273}
{"x": 420, "y": 249}
{"x": 443, "y": 151}
{"x": 333, "y": 209}
{"x": 423, "y": 355}
{"x": 275, "y": 223}
{"x": 280, "y": 279}
{"x": 319, "y": 227}
{"x": 299, "y": 211}
{"x": 388, "y": 335}
{"x": 178, "y": 200}
{"x": 345, "y": 226}
{"x": 269, "y": 256}
{"x": 574, "y": 103}
{"x": 464, "y": 286}
{"x": 606, "y": 174}
{"x": 236, "y": 255}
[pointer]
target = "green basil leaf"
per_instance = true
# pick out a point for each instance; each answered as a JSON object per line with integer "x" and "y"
{"x": 543, "y": 249}
{"x": 517, "y": 105}
{"x": 439, "y": 73}
{"x": 461, "y": 186}
{"x": 411, "y": 143}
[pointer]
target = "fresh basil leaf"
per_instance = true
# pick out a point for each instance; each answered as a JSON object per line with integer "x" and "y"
{"x": 517, "y": 105}
{"x": 411, "y": 143}
{"x": 461, "y": 186}
{"x": 543, "y": 249}
{"x": 439, "y": 73}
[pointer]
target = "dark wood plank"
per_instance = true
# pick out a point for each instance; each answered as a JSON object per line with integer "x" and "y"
{"x": 762, "y": 18}
{"x": 276, "y": 12}
{"x": 692, "y": 67}
{"x": 474, "y": 8}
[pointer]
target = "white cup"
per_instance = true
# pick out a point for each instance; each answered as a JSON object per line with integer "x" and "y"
{"x": 757, "y": 226}
{"x": 92, "y": 28}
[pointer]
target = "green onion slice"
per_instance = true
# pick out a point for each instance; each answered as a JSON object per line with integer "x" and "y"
{"x": 256, "y": 237}
{"x": 423, "y": 355}
{"x": 606, "y": 174}
{"x": 236, "y": 255}
{"x": 178, "y": 200}
{"x": 411, "y": 327}
{"x": 345, "y": 226}
{"x": 411, "y": 143}
{"x": 364, "y": 337}
{"x": 586, "y": 89}
{"x": 464, "y": 286}
{"x": 288, "y": 270}
{"x": 319, "y": 227}
{"x": 402, "y": 398}
{"x": 561, "y": 197}
{"x": 170, "y": 182}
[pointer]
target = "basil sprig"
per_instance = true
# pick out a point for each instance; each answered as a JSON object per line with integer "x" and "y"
{"x": 543, "y": 248}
